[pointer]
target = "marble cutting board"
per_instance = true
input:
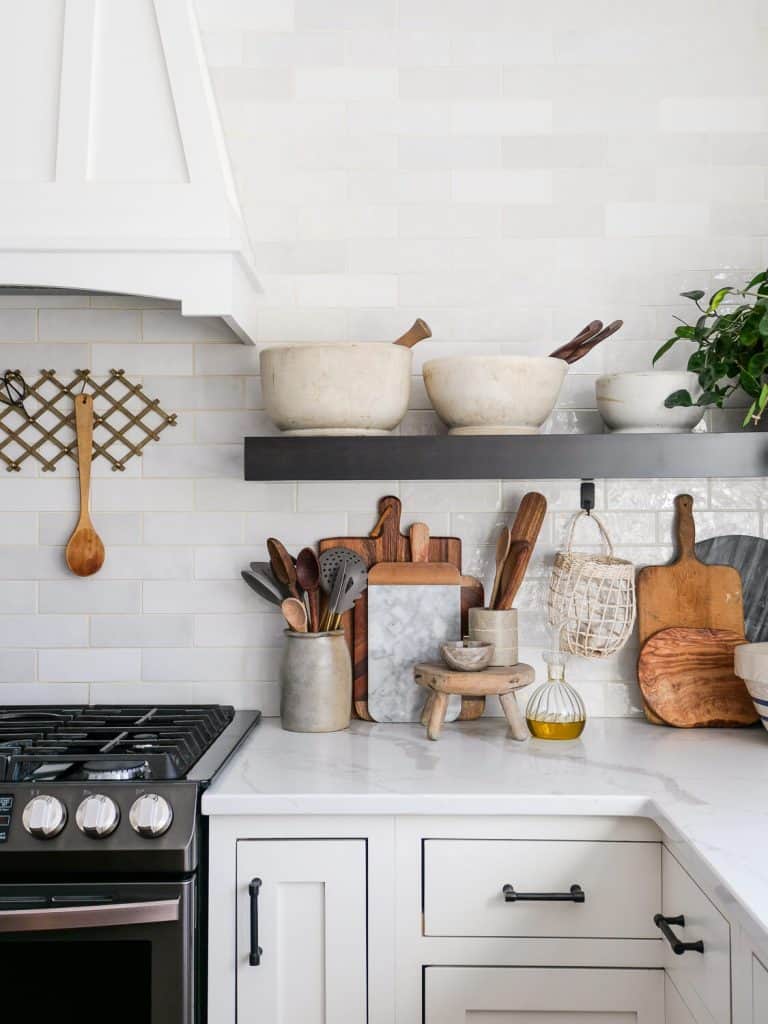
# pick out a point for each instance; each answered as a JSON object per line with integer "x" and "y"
{"x": 406, "y": 625}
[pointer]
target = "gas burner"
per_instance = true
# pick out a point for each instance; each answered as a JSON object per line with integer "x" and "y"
{"x": 116, "y": 771}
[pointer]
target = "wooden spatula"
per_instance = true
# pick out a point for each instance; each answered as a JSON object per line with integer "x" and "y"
{"x": 85, "y": 551}
{"x": 687, "y": 678}
{"x": 514, "y": 572}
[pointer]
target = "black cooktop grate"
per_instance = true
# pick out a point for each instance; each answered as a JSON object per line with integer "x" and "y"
{"x": 55, "y": 743}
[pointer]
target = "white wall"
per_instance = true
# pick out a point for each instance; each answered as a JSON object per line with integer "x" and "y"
{"x": 508, "y": 171}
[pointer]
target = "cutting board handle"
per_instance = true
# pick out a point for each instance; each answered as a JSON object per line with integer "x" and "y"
{"x": 419, "y": 535}
{"x": 686, "y": 528}
{"x": 388, "y": 526}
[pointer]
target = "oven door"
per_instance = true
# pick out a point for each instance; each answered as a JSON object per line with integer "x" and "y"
{"x": 107, "y": 952}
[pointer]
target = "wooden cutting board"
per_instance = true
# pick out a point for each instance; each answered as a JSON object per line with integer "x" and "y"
{"x": 386, "y": 543}
{"x": 687, "y": 678}
{"x": 413, "y": 607}
{"x": 687, "y": 593}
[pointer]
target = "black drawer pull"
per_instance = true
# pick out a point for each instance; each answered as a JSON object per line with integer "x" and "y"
{"x": 575, "y": 895}
{"x": 678, "y": 946}
{"x": 254, "y": 958}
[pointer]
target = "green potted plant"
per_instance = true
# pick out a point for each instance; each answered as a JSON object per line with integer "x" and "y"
{"x": 731, "y": 347}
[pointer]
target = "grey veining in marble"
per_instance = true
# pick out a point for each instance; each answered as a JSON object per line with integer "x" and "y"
{"x": 702, "y": 787}
{"x": 750, "y": 556}
{"x": 407, "y": 624}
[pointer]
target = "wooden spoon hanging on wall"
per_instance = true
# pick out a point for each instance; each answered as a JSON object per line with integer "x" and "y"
{"x": 85, "y": 551}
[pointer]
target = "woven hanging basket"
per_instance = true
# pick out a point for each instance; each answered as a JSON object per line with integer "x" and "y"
{"x": 592, "y": 597}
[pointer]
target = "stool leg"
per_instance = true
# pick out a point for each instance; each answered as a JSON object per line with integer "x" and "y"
{"x": 427, "y": 707}
{"x": 437, "y": 715}
{"x": 518, "y": 730}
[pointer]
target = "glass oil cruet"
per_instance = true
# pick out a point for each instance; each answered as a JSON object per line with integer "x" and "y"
{"x": 555, "y": 710}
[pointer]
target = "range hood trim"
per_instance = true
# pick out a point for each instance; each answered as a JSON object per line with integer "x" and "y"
{"x": 182, "y": 240}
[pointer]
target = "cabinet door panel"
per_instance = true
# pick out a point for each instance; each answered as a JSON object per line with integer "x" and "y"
{"x": 520, "y": 995}
{"x": 703, "y": 979}
{"x": 759, "y": 992}
{"x": 312, "y": 930}
{"x": 676, "y": 1010}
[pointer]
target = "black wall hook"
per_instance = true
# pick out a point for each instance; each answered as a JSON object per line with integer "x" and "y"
{"x": 588, "y": 495}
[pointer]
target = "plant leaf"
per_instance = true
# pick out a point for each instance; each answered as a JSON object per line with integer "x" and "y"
{"x": 686, "y": 332}
{"x": 763, "y": 325}
{"x": 695, "y": 295}
{"x": 664, "y": 349}
{"x": 717, "y": 298}
{"x": 679, "y": 398}
{"x": 757, "y": 279}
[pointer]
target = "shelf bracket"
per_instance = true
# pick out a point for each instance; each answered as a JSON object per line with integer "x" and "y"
{"x": 587, "y": 495}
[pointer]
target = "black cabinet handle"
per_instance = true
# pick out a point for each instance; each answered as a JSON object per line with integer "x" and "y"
{"x": 575, "y": 895}
{"x": 678, "y": 946}
{"x": 255, "y": 955}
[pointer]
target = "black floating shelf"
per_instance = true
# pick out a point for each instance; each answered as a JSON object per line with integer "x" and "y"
{"x": 537, "y": 457}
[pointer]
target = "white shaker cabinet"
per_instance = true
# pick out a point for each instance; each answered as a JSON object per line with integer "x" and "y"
{"x": 301, "y": 931}
{"x": 759, "y": 992}
{"x": 519, "y": 995}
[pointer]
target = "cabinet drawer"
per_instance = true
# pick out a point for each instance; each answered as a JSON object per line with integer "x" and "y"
{"x": 464, "y": 879}
{"x": 460, "y": 995}
{"x": 704, "y": 979}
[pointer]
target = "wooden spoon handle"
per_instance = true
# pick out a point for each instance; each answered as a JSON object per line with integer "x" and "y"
{"x": 685, "y": 528}
{"x": 519, "y": 556}
{"x": 84, "y": 430}
{"x": 586, "y": 346}
{"x": 418, "y": 332}
{"x": 419, "y": 542}
{"x": 584, "y": 334}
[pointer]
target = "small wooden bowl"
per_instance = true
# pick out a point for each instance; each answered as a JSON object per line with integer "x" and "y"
{"x": 467, "y": 655}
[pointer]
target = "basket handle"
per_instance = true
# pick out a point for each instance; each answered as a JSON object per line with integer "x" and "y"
{"x": 595, "y": 519}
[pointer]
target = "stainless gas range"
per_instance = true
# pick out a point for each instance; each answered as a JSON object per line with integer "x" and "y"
{"x": 102, "y": 858}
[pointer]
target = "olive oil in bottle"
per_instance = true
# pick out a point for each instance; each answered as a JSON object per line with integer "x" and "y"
{"x": 555, "y": 711}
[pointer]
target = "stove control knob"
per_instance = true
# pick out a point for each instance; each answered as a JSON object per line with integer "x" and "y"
{"x": 151, "y": 815}
{"x": 44, "y": 817}
{"x": 98, "y": 816}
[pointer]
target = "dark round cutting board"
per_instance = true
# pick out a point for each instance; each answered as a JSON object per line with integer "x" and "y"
{"x": 750, "y": 556}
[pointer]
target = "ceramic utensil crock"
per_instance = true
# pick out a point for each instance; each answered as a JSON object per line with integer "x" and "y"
{"x": 316, "y": 676}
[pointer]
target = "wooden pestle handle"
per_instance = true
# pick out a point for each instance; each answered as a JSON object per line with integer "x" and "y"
{"x": 84, "y": 430}
{"x": 685, "y": 528}
{"x": 419, "y": 331}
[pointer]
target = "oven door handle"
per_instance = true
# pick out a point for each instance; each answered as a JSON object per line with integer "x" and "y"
{"x": 110, "y": 915}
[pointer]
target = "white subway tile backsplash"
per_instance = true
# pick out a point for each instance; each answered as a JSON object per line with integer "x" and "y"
{"x": 192, "y": 665}
{"x": 90, "y": 666}
{"x": 89, "y": 325}
{"x": 194, "y": 528}
{"x": 43, "y": 631}
{"x": 506, "y": 171}
{"x": 142, "y": 631}
{"x": 88, "y": 596}
{"x": 16, "y": 667}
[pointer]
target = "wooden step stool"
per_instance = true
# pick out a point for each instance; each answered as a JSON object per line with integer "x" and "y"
{"x": 442, "y": 682}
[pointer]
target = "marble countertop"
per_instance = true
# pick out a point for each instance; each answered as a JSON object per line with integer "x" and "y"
{"x": 703, "y": 788}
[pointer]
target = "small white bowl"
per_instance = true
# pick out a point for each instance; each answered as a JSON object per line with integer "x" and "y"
{"x": 494, "y": 394}
{"x": 750, "y": 663}
{"x": 633, "y": 403}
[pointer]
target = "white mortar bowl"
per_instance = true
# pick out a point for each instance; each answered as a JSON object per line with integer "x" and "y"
{"x": 494, "y": 394}
{"x": 750, "y": 663}
{"x": 633, "y": 403}
{"x": 338, "y": 389}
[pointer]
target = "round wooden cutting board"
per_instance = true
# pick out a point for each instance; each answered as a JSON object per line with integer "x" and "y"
{"x": 687, "y": 679}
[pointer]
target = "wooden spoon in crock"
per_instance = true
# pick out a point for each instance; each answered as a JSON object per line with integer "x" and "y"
{"x": 85, "y": 551}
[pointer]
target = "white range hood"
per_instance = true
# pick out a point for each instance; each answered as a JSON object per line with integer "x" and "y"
{"x": 114, "y": 174}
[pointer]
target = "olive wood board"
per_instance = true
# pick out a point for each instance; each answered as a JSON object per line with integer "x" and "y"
{"x": 386, "y": 543}
{"x": 687, "y": 593}
{"x": 687, "y": 679}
